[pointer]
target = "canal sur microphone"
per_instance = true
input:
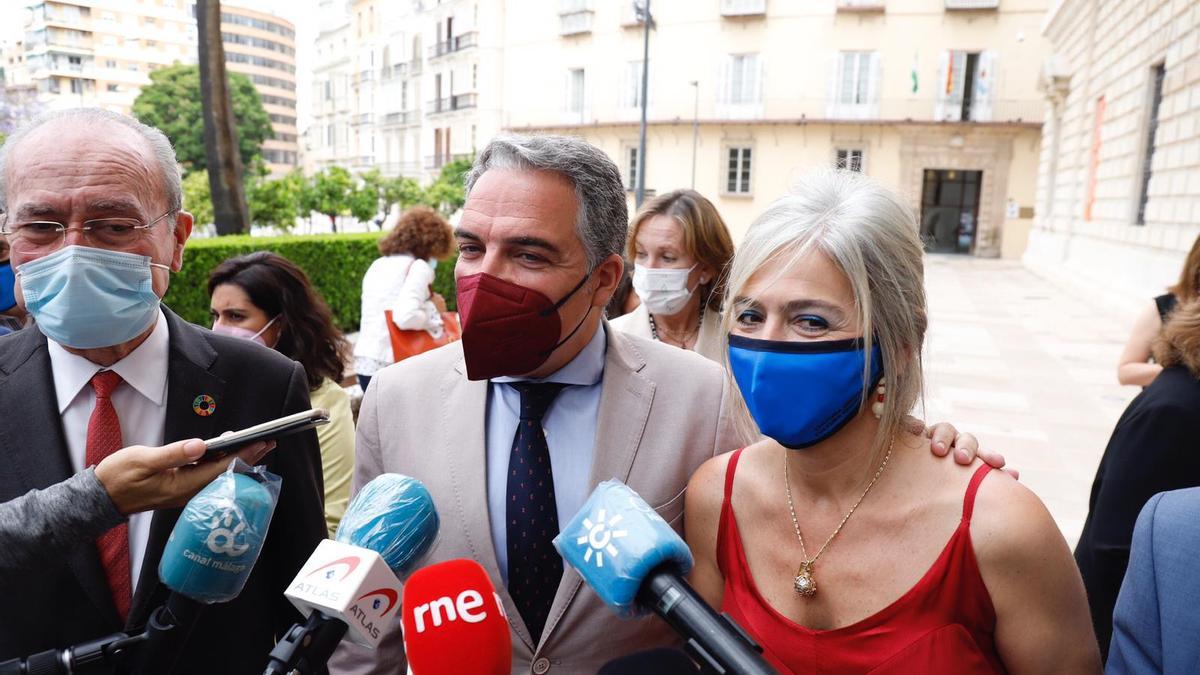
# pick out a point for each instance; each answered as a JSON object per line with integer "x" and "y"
{"x": 454, "y": 622}
{"x": 635, "y": 562}
{"x": 350, "y": 584}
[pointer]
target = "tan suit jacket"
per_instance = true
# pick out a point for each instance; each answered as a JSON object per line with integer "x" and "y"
{"x": 661, "y": 415}
{"x": 709, "y": 343}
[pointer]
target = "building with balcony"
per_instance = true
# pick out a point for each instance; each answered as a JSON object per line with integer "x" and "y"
{"x": 421, "y": 84}
{"x": 1118, "y": 202}
{"x": 262, "y": 47}
{"x": 937, "y": 98}
{"x": 101, "y": 52}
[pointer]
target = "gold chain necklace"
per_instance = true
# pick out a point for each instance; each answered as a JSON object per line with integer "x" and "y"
{"x": 680, "y": 342}
{"x": 805, "y": 584}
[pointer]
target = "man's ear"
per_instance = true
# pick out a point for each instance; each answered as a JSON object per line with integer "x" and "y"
{"x": 181, "y": 232}
{"x": 605, "y": 279}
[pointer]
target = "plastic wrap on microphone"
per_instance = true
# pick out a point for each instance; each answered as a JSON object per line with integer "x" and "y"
{"x": 394, "y": 516}
{"x": 615, "y": 541}
{"x": 219, "y": 535}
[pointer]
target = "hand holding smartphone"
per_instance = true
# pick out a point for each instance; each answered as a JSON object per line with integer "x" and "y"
{"x": 222, "y": 445}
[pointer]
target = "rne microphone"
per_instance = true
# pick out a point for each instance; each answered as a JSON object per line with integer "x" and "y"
{"x": 635, "y": 562}
{"x": 350, "y": 584}
{"x": 454, "y": 622}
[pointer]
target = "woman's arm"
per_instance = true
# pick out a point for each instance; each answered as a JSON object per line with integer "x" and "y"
{"x": 1042, "y": 620}
{"x": 701, "y": 518}
{"x": 1134, "y": 368}
{"x": 413, "y": 308}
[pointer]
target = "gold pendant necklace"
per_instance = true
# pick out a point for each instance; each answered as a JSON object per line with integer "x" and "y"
{"x": 805, "y": 584}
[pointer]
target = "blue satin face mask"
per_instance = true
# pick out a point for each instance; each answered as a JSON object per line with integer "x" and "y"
{"x": 86, "y": 297}
{"x": 801, "y": 393}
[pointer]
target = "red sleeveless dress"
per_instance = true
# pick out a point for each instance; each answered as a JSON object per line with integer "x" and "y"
{"x": 943, "y": 624}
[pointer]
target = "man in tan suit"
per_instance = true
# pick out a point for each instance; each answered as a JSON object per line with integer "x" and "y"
{"x": 513, "y": 427}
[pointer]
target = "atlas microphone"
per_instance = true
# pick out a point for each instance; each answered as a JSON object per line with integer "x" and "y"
{"x": 454, "y": 622}
{"x": 634, "y": 562}
{"x": 350, "y": 585}
{"x": 208, "y": 558}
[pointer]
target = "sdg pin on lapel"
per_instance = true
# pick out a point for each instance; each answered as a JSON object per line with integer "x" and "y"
{"x": 615, "y": 541}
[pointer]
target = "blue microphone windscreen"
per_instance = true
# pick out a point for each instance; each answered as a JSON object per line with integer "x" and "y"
{"x": 218, "y": 537}
{"x": 615, "y": 541}
{"x": 394, "y": 516}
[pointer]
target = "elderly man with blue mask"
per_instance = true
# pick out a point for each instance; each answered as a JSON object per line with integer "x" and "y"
{"x": 93, "y": 215}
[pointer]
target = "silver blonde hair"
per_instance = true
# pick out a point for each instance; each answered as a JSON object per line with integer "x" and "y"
{"x": 164, "y": 155}
{"x": 872, "y": 237}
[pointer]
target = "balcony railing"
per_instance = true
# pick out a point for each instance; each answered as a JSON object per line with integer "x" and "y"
{"x": 860, "y": 5}
{"x": 454, "y": 44}
{"x": 363, "y": 118}
{"x": 576, "y": 23}
{"x": 451, "y": 103}
{"x": 572, "y": 6}
{"x": 743, "y": 7}
{"x": 402, "y": 119}
{"x": 365, "y": 76}
{"x": 397, "y": 70}
{"x": 972, "y": 4}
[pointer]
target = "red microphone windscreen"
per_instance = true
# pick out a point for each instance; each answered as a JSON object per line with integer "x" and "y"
{"x": 454, "y": 622}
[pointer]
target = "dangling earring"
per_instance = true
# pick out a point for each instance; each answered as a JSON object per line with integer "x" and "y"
{"x": 880, "y": 397}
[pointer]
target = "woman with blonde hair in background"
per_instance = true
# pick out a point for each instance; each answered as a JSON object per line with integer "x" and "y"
{"x": 680, "y": 247}
{"x": 1136, "y": 366}
{"x": 837, "y": 541}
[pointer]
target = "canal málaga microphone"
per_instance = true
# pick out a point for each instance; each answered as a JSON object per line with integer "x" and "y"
{"x": 454, "y": 622}
{"x": 635, "y": 562}
{"x": 208, "y": 558}
{"x": 351, "y": 584}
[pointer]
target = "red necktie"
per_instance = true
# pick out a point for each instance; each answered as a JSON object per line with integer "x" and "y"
{"x": 103, "y": 439}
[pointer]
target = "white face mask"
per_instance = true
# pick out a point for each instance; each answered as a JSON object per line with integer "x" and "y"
{"x": 663, "y": 291}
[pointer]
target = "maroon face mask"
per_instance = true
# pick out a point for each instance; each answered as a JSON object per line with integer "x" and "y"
{"x": 508, "y": 329}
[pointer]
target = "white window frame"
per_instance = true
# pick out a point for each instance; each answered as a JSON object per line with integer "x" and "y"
{"x": 629, "y": 165}
{"x": 740, "y": 92}
{"x": 846, "y": 162}
{"x": 575, "y": 101}
{"x": 854, "y": 85}
{"x": 746, "y": 157}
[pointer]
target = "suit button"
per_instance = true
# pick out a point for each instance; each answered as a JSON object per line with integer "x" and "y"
{"x": 541, "y": 666}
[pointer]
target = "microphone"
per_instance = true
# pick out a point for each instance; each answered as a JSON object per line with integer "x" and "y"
{"x": 454, "y": 622}
{"x": 208, "y": 558}
{"x": 350, "y": 584}
{"x": 634, "y": 561}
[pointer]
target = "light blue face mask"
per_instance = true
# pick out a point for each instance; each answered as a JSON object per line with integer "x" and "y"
{"x": 86, "y": 297}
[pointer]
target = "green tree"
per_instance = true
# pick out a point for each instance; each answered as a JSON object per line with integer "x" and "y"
{"x": 197, "y": 197}
{"x": 276, "y": 202}
{"x": 172, "y": 103}
{"x": 387, "y": 191}
{"x": 447, "y": 193}
{"x": 335, "y": 192}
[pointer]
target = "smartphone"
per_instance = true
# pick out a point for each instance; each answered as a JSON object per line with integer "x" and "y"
{"x": 223, "y": 445}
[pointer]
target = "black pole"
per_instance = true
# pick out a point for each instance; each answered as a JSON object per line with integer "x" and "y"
{"x": 640, "y": 195}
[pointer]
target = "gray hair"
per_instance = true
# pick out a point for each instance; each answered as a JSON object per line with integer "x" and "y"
{"x": 872, "y": 237}
{"x": 603, "y": 218}
{"x": 160, "y": 147}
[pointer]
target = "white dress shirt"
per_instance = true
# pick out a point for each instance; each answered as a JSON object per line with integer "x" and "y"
{"x": 141, "y": 405}
{"x": 570, "y": 426}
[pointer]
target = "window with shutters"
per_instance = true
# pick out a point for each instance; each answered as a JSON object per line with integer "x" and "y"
{"x": 575, "y": 91}
{"x": 965, "y": 86}
{"x": 855, "y": 78}
{"x": 849, "y": 159}
{"x": 629, "y": 159}
{"x": 737, "y": 170}
{"x": 631, "y": 85}
{"x": 854, "y": 90}
{"x": 743, "y": 79}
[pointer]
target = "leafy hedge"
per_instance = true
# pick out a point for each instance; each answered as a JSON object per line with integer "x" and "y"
{"x": 336, "y": 264}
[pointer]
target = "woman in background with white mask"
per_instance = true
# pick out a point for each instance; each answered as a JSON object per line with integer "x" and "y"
{"x": 679, "y": 246}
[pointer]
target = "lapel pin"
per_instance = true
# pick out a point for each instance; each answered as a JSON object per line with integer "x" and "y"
{"x": 204, "y": 405}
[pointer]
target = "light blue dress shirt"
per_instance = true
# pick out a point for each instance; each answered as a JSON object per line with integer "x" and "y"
{"x": 570, "y": 426}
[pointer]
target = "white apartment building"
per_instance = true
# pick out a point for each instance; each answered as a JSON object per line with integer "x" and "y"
{"x": 405, "y": 86}
{"x": 936, "y": 98}
{"x": 1119, "y": 179}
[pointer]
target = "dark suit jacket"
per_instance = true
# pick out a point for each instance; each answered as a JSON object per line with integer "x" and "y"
{"x": 1154, "y": 448}
{"x": 62, "y": 604}
{"x": 1155, "y": 624}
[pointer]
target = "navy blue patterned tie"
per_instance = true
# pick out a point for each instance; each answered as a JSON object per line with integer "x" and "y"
{"x": 534, "y": 567}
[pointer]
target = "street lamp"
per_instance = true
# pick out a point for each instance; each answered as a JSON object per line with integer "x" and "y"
{"x": 695, "y": 128}
{"x": 641, "y": 9}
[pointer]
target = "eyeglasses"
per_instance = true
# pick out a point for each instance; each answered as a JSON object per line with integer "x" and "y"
{"x": 48, "y": 235}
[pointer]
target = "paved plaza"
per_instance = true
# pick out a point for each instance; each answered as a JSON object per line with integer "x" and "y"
{"x": 1031, "y": 369}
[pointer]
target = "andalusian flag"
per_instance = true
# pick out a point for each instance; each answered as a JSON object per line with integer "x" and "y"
{"x": 914, "y": 73}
